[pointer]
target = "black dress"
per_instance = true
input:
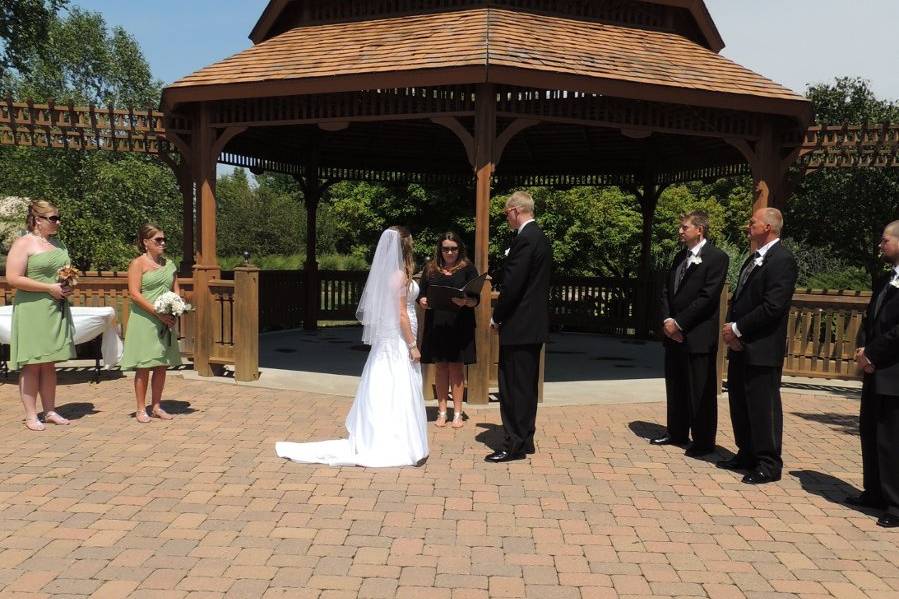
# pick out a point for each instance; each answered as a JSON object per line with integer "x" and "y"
{"x": 448, "y": 336}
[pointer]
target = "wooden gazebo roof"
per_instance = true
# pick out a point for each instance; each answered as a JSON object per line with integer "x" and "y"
{"x": 596, "y": 90}
{"x": 488, "y": 45}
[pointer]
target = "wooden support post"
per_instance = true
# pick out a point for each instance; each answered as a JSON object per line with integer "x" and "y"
{"x": 246, "y": 323}
{"x": 484, "y": 140}
{"x": 206, "y": 269}
{"x": 721, "y": 359}
{"x": 312, "y": 193}
{"x": 648, "y": 196}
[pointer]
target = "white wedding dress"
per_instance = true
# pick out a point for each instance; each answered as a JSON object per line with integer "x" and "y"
{"x": 387, "y": 424}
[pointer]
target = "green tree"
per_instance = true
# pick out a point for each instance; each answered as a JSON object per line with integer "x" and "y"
{"x": 843, "y": 211}
{"x": 103, "y": 196}
{"x": 24, "y": 25}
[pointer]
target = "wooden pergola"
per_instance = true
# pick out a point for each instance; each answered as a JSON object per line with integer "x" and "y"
{"x": 473, "y": 93}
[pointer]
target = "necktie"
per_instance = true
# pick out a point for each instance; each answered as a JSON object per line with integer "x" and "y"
{"x": 747, "y": 269}
{"x": 681, "y": 270}
{"x": 882, "y": 295}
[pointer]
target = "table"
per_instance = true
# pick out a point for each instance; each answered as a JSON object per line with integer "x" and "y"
{"x": 90, "y": 323}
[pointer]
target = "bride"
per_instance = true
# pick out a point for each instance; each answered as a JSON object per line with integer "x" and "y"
{"x": 387, "y": 423}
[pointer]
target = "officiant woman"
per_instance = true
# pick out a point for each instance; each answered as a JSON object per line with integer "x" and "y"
{"x": 150, "y": 342}
{"x": 448, "y": 339}
{"x": 42, "y": 329}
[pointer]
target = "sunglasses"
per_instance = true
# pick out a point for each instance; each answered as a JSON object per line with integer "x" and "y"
{"x": 158, "y": 240}
{"x": 449, "y": 249}
{"x": 53, "y": 219}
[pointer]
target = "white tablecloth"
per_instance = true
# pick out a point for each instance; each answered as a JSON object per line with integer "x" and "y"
{"x": 89, "y": 323}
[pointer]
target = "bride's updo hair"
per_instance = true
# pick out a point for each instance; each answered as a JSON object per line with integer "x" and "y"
{"x": 406, "y": 242}
{"x": 37, "y": 208}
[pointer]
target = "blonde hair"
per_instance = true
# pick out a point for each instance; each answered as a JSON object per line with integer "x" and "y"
{"x": 145, "y": 232}
{"x": 35, "y": 209}
{"x": 521, "y": 200}
{"x": 406, "y": 244}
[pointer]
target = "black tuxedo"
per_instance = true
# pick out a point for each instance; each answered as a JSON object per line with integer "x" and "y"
{"x": 760, "y": 310}
{"x": 692, "y": 297}
{"x": 522, "y": 314}
{"x": 879, "y": 417}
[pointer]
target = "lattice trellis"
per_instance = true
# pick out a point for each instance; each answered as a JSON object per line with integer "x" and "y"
{"x": 850, "y": 146}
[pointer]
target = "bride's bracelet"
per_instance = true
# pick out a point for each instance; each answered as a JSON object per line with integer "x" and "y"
{"x": 411, "y": 345}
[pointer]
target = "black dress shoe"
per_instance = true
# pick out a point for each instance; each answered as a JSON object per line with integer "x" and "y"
{"x": 504, "y": 456}
{"x": 888, "y": 521}
{"x": 865, "y": 500}
{"x": 696, "y": 451}
{"x": 733, "y": 463}
{"x": 667, "y": 440}
{"x": 760, "y": 478}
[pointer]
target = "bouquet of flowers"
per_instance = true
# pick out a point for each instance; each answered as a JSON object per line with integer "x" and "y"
{"x": 67, "y": 277}
{"x": 172, "y": 304}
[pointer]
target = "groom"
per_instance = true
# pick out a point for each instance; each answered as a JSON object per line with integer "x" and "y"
{"x": 522, "y": 316}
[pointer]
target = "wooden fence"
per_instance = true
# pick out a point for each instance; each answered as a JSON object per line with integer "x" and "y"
{"x": 234, "y": 326}
{"x": 821, "y": 336}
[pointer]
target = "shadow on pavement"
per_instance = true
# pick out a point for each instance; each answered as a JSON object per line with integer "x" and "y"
{"x": 829, "y": 487}
{"x": 842, "y": 423}
{"x": 76, "y": 410}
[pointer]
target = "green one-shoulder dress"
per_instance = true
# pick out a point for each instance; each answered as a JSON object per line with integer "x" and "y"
{"x": 147, "y": 344}
{"x": 42, "y": 329}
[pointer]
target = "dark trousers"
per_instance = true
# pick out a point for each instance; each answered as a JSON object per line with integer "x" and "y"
{"x": 879, "y": 429}
{"x": 756, "y": 413}
{"x": 690, "y": 381}
{"x": 519, "y": 367}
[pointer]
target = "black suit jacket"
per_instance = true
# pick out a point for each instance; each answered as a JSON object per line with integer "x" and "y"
{"x": 761, "y": 309}
{"x": 696, "y": 303}
{"x": 522, "y": 310}
{"x": 880, "y": 337}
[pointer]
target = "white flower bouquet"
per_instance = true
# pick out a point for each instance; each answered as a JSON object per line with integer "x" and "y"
{"x": 172, "y": 304}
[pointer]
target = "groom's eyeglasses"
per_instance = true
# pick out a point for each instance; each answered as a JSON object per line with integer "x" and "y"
{"x": 449, "y": 249}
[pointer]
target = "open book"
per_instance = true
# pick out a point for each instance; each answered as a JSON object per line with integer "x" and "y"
{"x": 440, "y": 296}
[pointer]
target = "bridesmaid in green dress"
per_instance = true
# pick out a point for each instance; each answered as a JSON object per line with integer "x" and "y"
{"x": 148, "y": 346}
{"x": 42, "y": 329}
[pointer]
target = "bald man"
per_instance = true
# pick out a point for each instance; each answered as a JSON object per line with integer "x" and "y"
{"x": 756, "y": 337}
{"x": 878, "y": 357}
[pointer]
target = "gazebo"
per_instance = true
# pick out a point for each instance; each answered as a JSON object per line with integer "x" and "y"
{"x": 474, "y": 92}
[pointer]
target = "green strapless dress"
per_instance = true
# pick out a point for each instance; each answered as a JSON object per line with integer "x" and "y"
{"x": 146, "y": 343}
{"x": 42, "y": 329}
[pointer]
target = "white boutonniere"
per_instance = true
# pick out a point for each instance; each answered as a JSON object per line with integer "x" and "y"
{"x": 506, "y": 253}
{"x": 693, "y": 260}
{"x": 759, "y": 261}
{"x": 895, "y": 282}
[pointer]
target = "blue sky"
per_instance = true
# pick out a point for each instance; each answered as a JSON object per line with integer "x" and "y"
{"x": 794, "y": 42}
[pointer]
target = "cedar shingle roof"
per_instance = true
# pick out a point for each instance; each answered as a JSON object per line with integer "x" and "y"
{"x": 477, "y": 40}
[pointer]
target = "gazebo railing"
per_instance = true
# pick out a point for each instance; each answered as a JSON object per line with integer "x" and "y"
{"x": 235, "y": 324}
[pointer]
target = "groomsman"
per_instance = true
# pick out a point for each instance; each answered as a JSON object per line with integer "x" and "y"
{"x": 756, "y": 334}
{"x": 878, "y": 356}
{"x": 522, "y": 316}
{"x": 690, "y": 302}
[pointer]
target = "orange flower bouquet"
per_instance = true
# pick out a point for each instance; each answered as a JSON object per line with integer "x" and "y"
{"x": 67, "y": 276}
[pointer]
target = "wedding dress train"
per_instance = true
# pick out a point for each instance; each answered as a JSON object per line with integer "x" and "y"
{"x": 387, "y": 424}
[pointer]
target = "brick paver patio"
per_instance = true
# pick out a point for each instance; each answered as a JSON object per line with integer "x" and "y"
{"x": 201, "y": 507}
